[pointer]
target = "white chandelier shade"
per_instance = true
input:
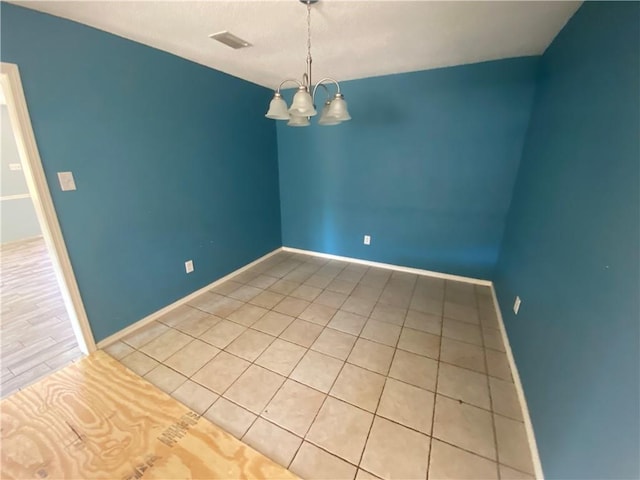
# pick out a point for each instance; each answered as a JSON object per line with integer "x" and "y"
{"x": 334, "y": 110}
{"x": 278, "y": 108}
{"x": 338, "y": 109}
{"x": 324, "y": 119}
{"x": 302, "y": 105}
{"x": 298, "y": 121}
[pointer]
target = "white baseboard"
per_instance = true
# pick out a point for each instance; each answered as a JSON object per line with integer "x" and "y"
{"x": 389, "y": 266}
{"x": 533, "y": 446}
{"x": 155, "y": 315}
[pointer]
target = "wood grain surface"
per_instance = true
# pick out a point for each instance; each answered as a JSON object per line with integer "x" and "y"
{"x": 96, "y": 419}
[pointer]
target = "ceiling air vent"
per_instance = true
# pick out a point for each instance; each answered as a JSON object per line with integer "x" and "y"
{"x": 230, "y": 40}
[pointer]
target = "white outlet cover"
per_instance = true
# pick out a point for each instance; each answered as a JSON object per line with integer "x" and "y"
{"x": 188, "y": 266}
{"x": 66, "y": 181}
{"x": 516, "y": 305}
{"x": 367, "y": 239}
{"x": 15, "y": 167}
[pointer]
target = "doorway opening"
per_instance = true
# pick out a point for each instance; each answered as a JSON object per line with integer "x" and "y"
{"x": 43, "y": 324}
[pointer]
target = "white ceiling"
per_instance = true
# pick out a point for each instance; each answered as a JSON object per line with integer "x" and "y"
{"x": 350, "y": 39}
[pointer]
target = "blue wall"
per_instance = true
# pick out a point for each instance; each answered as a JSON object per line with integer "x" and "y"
{"x": 571, "y": 249}
{"x": 426, "y": 167}
{"x": 169, "y": 157}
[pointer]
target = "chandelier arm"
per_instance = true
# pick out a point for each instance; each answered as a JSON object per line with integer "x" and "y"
{"x": 321, "y": 83}
{"x": 288, "y": 80}
{"x": 313, "y": 96}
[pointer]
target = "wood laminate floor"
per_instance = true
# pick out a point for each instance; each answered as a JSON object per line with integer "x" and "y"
{"x": 36, "y": 337}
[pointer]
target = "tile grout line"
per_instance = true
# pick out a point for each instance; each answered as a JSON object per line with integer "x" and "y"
{"x": 221, "y": 395}
{"x": 326, "y": 326}
{"x": 198, "y": 338}
{"x": 386, "y": 418}
{"x": 259, "y": 415}
{"x": 357, "y": 466}
{"x": 268, "y": 310}
{"x": 368, "y": 318}
{"x": 275, "y": 393}
{"x": 247, "y": 302}
{"x": 304, "y": 437}
{"x": 309, "y": 348}
{"x": 294, "y": 367}
{"x": 493, "y": 420}
{"x": 333, "y": 397}
{"x": 328, "y": 393}
{"x": 285, "y": 296}
{"x": 386, "y": 377}
{"x": 435, "y": 396}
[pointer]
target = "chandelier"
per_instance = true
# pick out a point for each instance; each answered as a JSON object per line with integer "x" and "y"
{"x": 334, "y": 109}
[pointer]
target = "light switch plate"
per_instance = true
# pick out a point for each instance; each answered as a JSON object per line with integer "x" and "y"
{"x": 516, "y": 305}
{"x": 188, "y": 266}
{"x": 66, "y": 181}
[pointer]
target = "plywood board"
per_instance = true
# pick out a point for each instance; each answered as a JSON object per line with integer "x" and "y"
{"x": 97, "y": 419}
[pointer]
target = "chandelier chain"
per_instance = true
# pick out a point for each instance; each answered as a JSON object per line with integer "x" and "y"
{"x": 308, "y": 29}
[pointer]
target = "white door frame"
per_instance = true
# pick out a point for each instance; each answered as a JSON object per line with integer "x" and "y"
{"x": 39, "y": 190}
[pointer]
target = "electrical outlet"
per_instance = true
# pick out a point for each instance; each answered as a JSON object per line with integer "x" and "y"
{"x": 367, "y": 239}
{"x": 516, "y": 305}
{"x": 188, "y": 266}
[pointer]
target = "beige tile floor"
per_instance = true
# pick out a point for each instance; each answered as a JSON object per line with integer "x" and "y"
{"x": 36, "y": 337}
{"x": 337, "y": 370}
